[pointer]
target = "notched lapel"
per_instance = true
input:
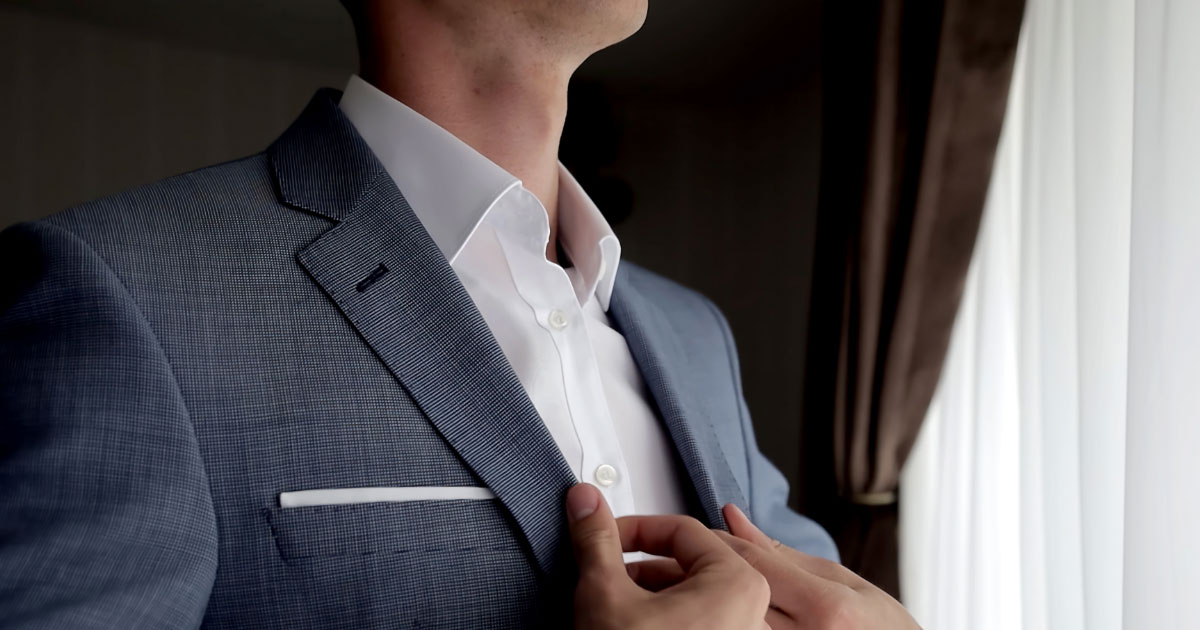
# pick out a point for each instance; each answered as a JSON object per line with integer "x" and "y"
{"x": 381, "y": 268}
{"x": 659, "y": 354}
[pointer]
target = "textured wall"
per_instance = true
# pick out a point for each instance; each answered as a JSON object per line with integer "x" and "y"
{"x": 87, "y": 111}
{"x": 725, "y": 201}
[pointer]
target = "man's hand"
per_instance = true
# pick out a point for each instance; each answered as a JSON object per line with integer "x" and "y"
{"x": 714, "y": 588}
{"x": 807, "y": 592}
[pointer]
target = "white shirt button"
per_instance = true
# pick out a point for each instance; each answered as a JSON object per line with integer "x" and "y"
{"x": 606, "y": 475}
{"x": 557, "y": 319}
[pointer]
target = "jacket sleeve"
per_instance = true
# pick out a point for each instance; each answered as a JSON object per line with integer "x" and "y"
{"x": 768, "y": 491}
{"x": 106, "y": 520}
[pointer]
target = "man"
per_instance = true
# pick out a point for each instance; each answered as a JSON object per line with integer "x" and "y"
{"x": 349, "y": 381}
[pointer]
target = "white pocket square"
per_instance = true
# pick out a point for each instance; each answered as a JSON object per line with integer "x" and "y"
{"x": 343, "y": 496}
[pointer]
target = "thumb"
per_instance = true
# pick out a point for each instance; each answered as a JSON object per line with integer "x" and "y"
{"x": 594, "y": 532}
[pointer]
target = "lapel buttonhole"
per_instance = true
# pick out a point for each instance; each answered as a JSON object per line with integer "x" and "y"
{"x": 371, "y": 278}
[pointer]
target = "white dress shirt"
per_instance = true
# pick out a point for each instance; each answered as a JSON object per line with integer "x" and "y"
{"x": 551, "y": 322}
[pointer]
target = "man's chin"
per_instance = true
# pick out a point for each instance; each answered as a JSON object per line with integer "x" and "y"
{"x": 614, "y": 21}
{"x": 633, "y": 18}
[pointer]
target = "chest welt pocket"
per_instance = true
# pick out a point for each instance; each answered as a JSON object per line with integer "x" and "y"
{"x": 434, "y": 564}
{"x": 476, "y": 527}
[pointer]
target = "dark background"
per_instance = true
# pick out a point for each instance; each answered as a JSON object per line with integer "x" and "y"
{"x": 700, "y": 136}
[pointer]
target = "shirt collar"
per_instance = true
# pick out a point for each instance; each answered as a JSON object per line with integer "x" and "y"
{"x": 451, "y": 186}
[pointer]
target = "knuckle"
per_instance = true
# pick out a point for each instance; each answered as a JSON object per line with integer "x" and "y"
{"x": 753, "y": 556}
{"x": 850, "y": 577}
{"x": 754, "y": 585}
{"x": 760, "y": 587}
{"x": 691, "y": 522}
{"x": 834, "y": 568}
{"x": 829, "y": 565}
{"x": 598, "y": 537}
{"x": 841, "y": 613}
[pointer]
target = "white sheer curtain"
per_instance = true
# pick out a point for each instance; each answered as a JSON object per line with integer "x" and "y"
{"x": 1056, "y": 483}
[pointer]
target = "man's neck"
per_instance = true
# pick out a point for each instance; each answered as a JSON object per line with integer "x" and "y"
{"x": 510, "y": 104}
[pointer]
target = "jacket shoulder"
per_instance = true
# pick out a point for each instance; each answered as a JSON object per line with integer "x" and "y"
{"x": 208, "y": 196}
{"x": 202, "y": 219}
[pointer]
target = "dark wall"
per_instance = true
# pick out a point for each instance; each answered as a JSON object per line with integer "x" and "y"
{"x": 88, "y": 110}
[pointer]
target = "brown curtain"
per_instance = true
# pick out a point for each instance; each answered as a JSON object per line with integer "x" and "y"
{"x": 914, "y": 99}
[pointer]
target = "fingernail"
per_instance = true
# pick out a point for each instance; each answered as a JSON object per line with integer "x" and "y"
{"x": 582, "y": 500}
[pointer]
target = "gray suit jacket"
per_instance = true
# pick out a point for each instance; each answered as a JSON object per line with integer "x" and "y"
{"x": 175, "y": 357}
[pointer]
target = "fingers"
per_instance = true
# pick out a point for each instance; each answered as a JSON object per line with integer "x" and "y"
{"x": 594, "y": 532}
{"x": 655, "y": 575}
{"x": 740, "y": 526}
{"x": 770, "y": 564}
{"x": 792, "y": 587}
{"x": 683, "y": 538}
{"x": 776, "y": 618}
{"x": 827, "y": 569}
{"x": 709, "y": 583}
